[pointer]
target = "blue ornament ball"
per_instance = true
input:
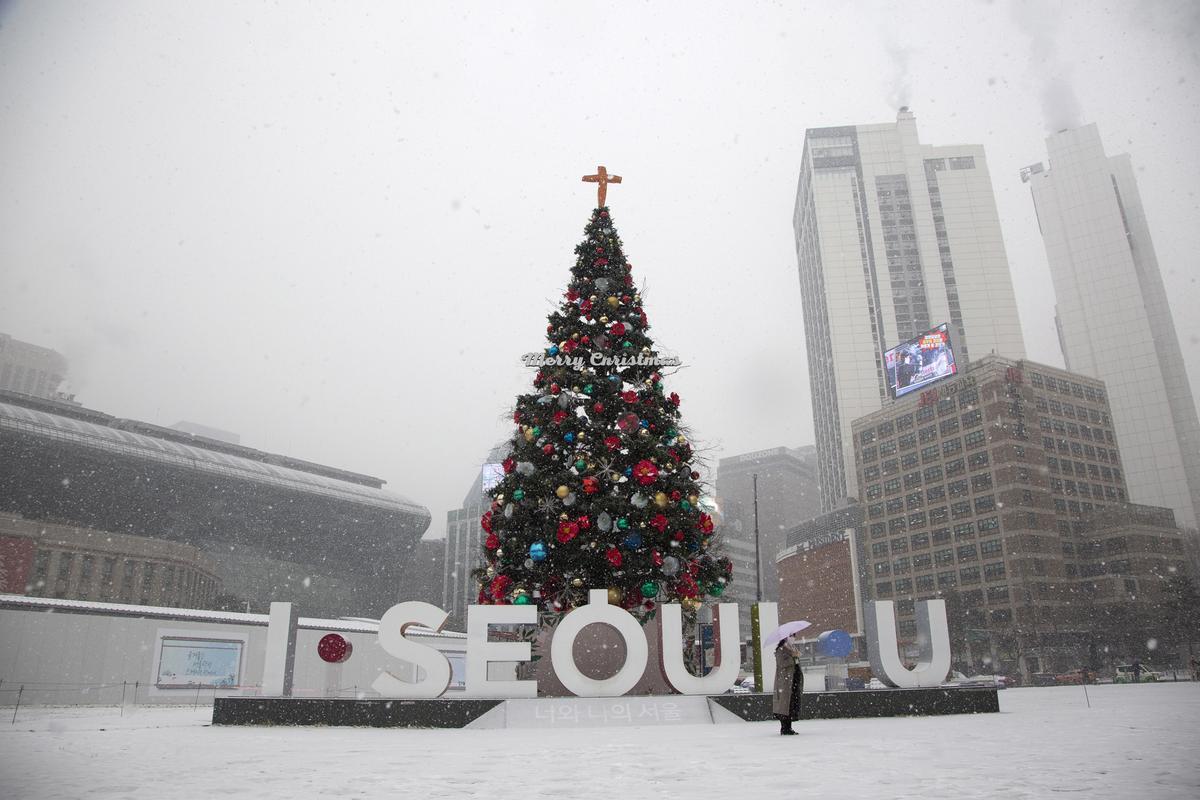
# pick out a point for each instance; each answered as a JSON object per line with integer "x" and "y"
{"x": 633, "y": 541}
{"x": 628, "y": 471}
{"x": 537, "y": 551}
{"x": 570, "y": 437}
{"x": 552, "y": 350}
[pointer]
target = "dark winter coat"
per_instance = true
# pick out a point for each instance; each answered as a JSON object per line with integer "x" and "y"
{"x": 789, "y": 683}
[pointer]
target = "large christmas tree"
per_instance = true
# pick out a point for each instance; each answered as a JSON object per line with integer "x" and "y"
{"x": 598, "y": 489}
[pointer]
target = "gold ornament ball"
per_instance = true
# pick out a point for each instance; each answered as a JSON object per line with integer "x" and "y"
{"x": 592, "y": 298}
{"x": 562, "y": 491}
{"x": 563, "y": 516}
{"x": 575, "y": 336}
{"x": 660, "y": 499}
{"x": 613, "y": 302}
{"x": 615, "y": 595}
{"x": 577, "y": 582}
{"x": 693, "y": 499}
{"x": 529, "y": 434}
{"x": 690, "y": 604}
{"x": 643, "y": 432}
{"x": 575, "y": 389}
{"x": 604, "y": 320}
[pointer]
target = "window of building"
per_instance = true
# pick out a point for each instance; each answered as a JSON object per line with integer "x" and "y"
{"x": 883, "y": 568}
{"x": 1001, "y": 616}
{"x": 948, "y": 427}
{"x": 916, "y": 520}
{"x": 977, "y": 460}
{"x": 924, "y": 583}
{"x": 921, "y": 560}
{"x": 879, "y": 549}
{"x": 907, "y": 440}
{"x": 904, "y": 586}
{"x": 875, "y": 510}
{"x": 874, "y": 491}
{"x": 924, "y": 414}
{"x": 930, "y": 453}
{"x": 960, "y": 509}
{"x": 897, "y": 525}
{"x": 887, "y": 448}
{"x": 883, "y": 589}
{"x": 997, "y": 594}
{"x": 962, "y": 162}
{"x": 899, "y": 545}
{"x": 912, "y": 479}
{"x": 891, "y": 486}
{"x": 991, "y": 548}
{"x": 975, "y": 438}
{"x": 878, "y": 529}
{"x": 955, "y": 467}
{"x": 967, "y": 552}
{"x": 900, "y": 566}
{"x": 969, "y": 575}
{"x": 938, "y": 515}
{"x": 964, "y": 530}
{"x": 946, "y": 406}
{"x": 994, "y": 571}
{"x": 895, "y": 505}
{"x": 908, "y": 460}
{"x": 869, "y": 453}
{"x": 947, "y": 580}
{"x": 928, "y": 434}
{"x": 985, "y": 504}
{"x": 919, "y": 540}
{"x": 981, "y": 482}
{"x": 932, "y": 474}
{"x": 867, "y": 436}
{"x": 943, "y": 557}
{"x": 940, "y": 535}
{"x": 915, "y": 500}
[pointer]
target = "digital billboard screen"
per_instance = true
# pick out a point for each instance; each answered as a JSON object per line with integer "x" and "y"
{"x": 920, "y": 361}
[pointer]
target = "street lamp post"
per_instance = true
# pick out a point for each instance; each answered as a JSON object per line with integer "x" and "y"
{"x": 757, "y": 549}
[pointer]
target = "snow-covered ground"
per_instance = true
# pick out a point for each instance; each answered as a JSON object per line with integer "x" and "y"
{"x": 1134, "y": 742}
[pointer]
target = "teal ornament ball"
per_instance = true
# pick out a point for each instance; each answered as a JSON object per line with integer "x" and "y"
{"x": 537, "y": 551}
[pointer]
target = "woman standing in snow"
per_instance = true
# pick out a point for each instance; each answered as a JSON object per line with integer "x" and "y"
{"x": 789, "y": 685}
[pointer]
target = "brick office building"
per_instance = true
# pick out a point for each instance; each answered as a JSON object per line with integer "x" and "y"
{"x": 1002, "y": 490}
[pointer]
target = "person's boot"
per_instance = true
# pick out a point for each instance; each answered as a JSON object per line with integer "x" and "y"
{"x": 787, "y": 729}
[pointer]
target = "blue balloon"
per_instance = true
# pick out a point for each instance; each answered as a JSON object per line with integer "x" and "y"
{"x": 537, "y": 551}
{"x": 835, "y": 644}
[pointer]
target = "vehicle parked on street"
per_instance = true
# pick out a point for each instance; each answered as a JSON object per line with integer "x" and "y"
{"x": 1125, "y": 675}
{"x": 957, "y": 679}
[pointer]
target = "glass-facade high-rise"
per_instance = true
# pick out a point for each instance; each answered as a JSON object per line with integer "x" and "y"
{"x": 893, "y": 237}
{"x": 1114, "y": 321}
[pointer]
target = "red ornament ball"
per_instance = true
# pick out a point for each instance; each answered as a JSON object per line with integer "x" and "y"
{"x": 334, "y": 649}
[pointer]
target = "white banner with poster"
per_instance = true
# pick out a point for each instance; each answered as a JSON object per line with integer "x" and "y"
{"x": 198, "y": 659}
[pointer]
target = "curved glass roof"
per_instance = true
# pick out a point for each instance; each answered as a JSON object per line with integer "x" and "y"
{"x": 100, "y": 437}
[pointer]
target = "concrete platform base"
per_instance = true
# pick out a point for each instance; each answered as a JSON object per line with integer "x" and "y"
{"x": 592, "y": 711}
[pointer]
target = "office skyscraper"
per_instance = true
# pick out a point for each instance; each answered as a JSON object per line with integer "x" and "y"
{"x": 1114, "y": 322}
{"x": 893, "y": 237}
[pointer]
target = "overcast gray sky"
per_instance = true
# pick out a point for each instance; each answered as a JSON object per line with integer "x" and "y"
{"x": 334, "y": 228}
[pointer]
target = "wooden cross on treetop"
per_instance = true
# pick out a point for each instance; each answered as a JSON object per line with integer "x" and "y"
{"x": 603, "y": 178}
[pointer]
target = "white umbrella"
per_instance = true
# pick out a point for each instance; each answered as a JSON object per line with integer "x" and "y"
{"x": 785, "y": 630}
